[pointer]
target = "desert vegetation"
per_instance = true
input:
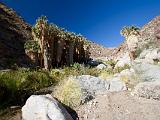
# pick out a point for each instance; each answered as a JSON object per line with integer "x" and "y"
{"x": 16, "y": 85}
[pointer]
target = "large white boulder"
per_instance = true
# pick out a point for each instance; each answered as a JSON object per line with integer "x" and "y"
{"x": 44, "y": 107}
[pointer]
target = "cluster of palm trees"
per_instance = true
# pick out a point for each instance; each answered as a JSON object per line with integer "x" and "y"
{"x": 57, "y": 46}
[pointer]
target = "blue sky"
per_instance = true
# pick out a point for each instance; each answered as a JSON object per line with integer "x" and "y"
{"x": 98, "y": 20}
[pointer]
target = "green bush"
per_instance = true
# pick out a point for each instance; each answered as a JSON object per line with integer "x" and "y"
{"x": 15, "y": 84}
{"x": 111, "y": 62}
{"x": 78, "y": 69}
{"x": 32, "y": 46}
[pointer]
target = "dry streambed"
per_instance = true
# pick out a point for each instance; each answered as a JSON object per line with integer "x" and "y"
{"x": 120, "y": 106}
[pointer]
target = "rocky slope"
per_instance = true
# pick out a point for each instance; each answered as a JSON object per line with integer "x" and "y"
{"x": 149, "y": 33}
{"x": 14, "y": 31}
{"x": 97, "y": 50}
{"x": 151, "y": 30}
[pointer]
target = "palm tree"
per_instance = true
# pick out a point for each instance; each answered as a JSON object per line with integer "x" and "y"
{"x": 55, "y": 42}
{"x": 132, "y": 41}
{"x": 79, "y": 48}
{"x": 129, "y": 30}
{"x": 71, "y": 38}
{"x": 41, "y": 32}
{"x": 61, "y": 36}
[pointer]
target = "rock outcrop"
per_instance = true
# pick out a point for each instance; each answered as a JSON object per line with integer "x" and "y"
{"x": 14, "y": 32}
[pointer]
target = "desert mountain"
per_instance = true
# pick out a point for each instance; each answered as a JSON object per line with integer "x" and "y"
{"x": 14, "y": 31}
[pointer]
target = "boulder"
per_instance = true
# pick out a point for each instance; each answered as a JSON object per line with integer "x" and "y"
{"x": 95, "y": 85}
{"x": 92, "y": 84}
{"x": 150, "y": 55}
{"x": 147, "y": 72}
{"x": 117, "y": 85}
{"x": 101, "y": 66}
{"x": 149, "y": 90}
{"x": 123, "y": 60}
{"x": 44, "y": 107}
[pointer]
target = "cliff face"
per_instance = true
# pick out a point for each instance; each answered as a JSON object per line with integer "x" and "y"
{"x": 13, "y": 34}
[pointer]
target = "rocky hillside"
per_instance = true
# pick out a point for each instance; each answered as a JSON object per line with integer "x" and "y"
{"x": 151, "y": 31}
{"x": 14, "y": 31}
{"x": 97, "y": 50}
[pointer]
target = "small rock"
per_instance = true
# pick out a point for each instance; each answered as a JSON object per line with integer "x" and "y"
{"x": 117, "y": 85}
{"x": 101, "y": 66}
{"x": 15, "y": 107}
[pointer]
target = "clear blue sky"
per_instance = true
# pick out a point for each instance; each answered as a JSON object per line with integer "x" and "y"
{"x": 98, "y": 20}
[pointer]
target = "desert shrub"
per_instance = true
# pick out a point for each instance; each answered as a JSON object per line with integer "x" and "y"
{"x": 106, "y": 74}
{"x": 36, "y": 80}
{"x": 58, "y": 74}
{"x": 138, "y": 52}
{"x": 130, "y": 80}
{"x": 69, "y": 93}
{"x": 75, "y": 70}
{"x": 92, "y": 71}
{"x": 76, "y": 66}
{"x": 18, "y": 83}
{"x": 119, "y": 69}
{"x": 111, "y": 62}
{"x": 79, "y": 69}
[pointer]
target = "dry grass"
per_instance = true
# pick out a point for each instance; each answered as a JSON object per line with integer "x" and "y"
{"x": 130, "y": 80}
{"x": 105, "y": 75}
{"x": 69, "y": 92}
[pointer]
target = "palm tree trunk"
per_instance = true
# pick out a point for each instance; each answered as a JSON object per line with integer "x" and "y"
{"x": 46, "y": 57}
{"x": 52, "y": 52}
{"x": 70, "y": 53}
{"x": 59, "y": 51}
